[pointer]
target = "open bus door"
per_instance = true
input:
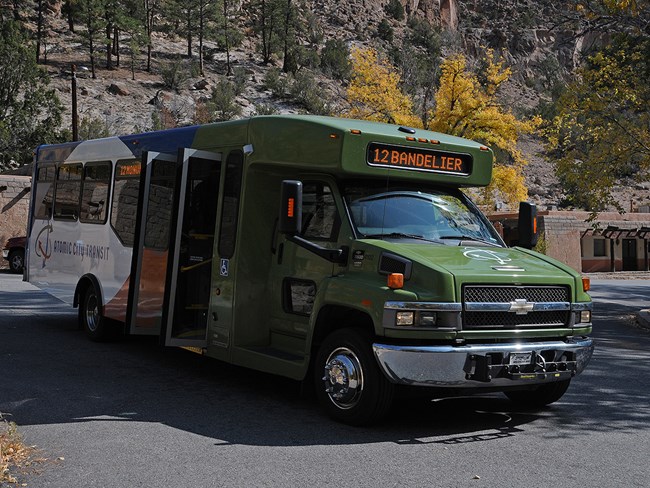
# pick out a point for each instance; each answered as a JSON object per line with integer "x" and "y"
{"x": 191, "y": 244}
{"x": 151, "y": 243}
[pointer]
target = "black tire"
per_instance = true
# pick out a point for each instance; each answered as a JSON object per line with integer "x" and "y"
{"x": 349, "y": 384}
{"x": 96, "y": 326}
{"x": 541, "y": 396}
{"x": 17, "y": 260}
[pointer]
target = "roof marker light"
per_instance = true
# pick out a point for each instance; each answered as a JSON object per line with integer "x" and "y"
{"x": 484, "y": 148}
{"x": 434, "y": 141}
{"x": 355, "y": 131}
{"x": 334, "y": 136}
{"x": 421, "y": 139}
{"x": 410, "y": 139}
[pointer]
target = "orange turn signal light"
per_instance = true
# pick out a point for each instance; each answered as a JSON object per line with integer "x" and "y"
{"x": 586, "y": 284}
{"x": 291, "y": 203}
{"x": 395, "y": 281}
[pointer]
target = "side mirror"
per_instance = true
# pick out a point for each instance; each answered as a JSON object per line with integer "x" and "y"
{"x": 290, "y": 221}
{"x": 527, "y": 225}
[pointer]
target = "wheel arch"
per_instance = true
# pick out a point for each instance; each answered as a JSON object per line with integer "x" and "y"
{"x": 83, "y": 284}
{"x": 334, "y": 317}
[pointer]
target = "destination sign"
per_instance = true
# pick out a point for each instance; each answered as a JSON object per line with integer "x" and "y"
{"x": 128, "y": 168}
{"x": 419, "y": 159}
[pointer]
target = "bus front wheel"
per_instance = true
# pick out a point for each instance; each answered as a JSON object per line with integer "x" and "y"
{"x": 91, "y": 318}
{"x": 349, "y": 384}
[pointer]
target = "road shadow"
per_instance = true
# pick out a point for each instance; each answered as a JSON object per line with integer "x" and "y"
{"x": 52, "y": 374}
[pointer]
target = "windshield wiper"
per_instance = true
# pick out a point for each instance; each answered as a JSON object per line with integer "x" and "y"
{"x": 469, "y": 238}
{"x": 397, "y": 235}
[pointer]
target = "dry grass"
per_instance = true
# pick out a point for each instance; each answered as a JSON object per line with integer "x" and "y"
{"x": 13, "y": 452}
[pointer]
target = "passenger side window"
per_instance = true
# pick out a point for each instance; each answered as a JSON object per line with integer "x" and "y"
{"x": 320, "y": 216}
{"x": 68, "y": 192}
{"x": 44, "y": 198}
{"x": 124, "y": 206}
{"x": 94, "y": 195}
{"x": 230, "y": 208}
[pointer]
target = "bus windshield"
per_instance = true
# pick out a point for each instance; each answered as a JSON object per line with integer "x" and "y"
{"x": 432, "y": 215}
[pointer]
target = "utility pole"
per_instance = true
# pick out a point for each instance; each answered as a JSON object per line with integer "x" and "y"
{"x": 75, "y": 117}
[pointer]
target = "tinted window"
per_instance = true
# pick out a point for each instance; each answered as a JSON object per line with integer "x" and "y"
{"x": 320, "y": 217}
{"x": 68, "y": 192}
{"x": 44, "y": 196}
{"x": 94, "y": 194}
{"x": 124, "y": 207}
{"x": 599, "y": 247}
{"x": 161, "y": 200}
{"x": 230, "y": 210}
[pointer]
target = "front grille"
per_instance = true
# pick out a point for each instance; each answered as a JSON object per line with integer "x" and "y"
{"x": 500, "y": 294}
{"x": 510, "y": 320}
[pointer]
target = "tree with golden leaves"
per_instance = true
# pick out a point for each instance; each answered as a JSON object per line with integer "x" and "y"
{"x": 374, "y": 92}
{"x": 466, "y": 108}
{"x": 599, "y": 136}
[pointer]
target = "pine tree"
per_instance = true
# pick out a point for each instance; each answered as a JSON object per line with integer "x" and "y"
{"x": 30, "y": 112}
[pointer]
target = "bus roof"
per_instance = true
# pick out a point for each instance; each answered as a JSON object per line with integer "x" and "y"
{"x": 344, "y": 147}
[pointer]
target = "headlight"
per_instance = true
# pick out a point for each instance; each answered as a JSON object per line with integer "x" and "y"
{"x": 426, "y": 315}
{"x": 404, "y": 318}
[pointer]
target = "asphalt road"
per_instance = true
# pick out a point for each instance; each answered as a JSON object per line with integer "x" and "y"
{"x": 131, "y": 414}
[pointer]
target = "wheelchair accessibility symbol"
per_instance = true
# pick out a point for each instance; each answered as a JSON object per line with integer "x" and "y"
{"x": 223, "y": 268}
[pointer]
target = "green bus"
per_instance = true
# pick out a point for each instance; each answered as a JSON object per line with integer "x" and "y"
{"x": 334, "y": 251}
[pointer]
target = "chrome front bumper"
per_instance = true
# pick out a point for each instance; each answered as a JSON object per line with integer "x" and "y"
{"x": 483, "y": 365}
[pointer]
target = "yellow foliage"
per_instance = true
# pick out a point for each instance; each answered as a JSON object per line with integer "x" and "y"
{"x": 374, "y": 92}
{"x": 465, "y": 108}
{"x": 508, "y": 184}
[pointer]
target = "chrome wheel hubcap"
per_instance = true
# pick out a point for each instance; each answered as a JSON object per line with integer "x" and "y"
{"x": 343, "y": 378}
{"x": 92, "y": 313}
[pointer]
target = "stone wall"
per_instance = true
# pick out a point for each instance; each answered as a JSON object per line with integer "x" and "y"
{"x": 14, "y": 208}
{"x": 562, "y": 234}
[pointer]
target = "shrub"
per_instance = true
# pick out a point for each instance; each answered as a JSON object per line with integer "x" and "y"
{"x": 335, "y": 59}
{"x": 395, "y": 9}
{"x": 240, "y": 78}
{"x": 176, "y": 72}
{"x": 222, "y": 105}
{"x": 265, "y": 109}
{"x": 385, "y": 31}
{"x": 305, "y": 91}
{"x": 274, "y": 81}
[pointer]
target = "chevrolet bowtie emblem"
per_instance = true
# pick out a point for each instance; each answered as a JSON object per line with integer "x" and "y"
{"x": 521, "y": 306}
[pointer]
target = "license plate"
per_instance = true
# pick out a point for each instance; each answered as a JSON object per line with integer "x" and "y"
{"x": 520, "y": 357}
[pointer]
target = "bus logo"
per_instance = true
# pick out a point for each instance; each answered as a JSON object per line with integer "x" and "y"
{"x": 44, "y": 244}
{"x": 486, "y": 255}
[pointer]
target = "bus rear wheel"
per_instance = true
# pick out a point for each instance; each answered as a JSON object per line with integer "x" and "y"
{"x": 97, "y": 327}
{"x": 349, "y": 384}
{"x": 540, "y": 396}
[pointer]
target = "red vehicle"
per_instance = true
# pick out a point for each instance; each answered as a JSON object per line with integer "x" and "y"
{"x": 14, "y": 252}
